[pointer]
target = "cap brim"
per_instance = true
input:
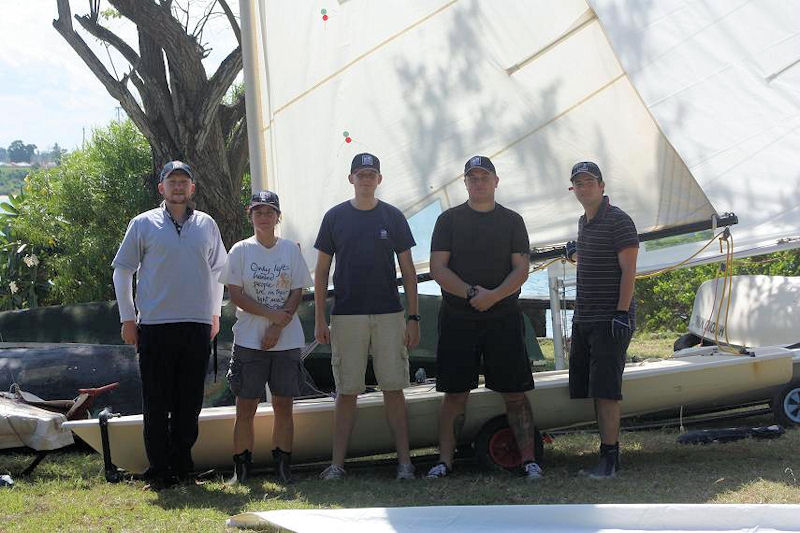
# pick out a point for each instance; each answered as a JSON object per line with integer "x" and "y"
{"x": 595, "y": 176}
{"x": 256, "y": 204}
{"x": 470, "y": 169}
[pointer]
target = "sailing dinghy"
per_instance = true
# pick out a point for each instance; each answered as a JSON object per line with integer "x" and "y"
{"x": 647, "y": 387}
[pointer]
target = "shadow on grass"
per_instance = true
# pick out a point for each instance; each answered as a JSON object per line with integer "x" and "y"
{"x": 656, "y": 469}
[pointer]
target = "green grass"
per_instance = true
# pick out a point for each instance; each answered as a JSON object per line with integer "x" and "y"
{"x": 645, "y": 345}
{"x": 68, "y": 493}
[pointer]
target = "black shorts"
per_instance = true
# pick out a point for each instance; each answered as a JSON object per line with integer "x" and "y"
{"x": 596, "y": 361}
{"x": 250, "y": 370}
{"x": 494, "y": 347}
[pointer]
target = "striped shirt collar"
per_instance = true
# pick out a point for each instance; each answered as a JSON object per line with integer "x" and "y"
{"x": 178, "y": 226}
{"x": 601, "y": 213}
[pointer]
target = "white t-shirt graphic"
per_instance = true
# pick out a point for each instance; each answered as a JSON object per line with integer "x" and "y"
{"x": 266, "y": 275}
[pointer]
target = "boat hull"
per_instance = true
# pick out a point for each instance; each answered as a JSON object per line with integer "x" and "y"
{"x": 647, "y": 387}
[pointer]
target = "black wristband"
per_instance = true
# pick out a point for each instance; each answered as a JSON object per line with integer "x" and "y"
{"x": 415, "y": 318}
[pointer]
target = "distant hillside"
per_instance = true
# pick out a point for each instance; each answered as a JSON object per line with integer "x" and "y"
{"x": 11, "y": 179}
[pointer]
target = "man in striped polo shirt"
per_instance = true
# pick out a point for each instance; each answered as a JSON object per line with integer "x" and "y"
{"x": 603, "y": 323}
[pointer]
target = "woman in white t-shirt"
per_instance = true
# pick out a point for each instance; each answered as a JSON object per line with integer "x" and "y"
{"x": 265, "y": 276}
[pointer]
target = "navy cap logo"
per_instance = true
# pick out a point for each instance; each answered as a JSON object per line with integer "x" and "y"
{"x": 366, "y": 160}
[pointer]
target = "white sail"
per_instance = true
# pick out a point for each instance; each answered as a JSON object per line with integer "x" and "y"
{"x": 426, "y": 84}
{"x": 722, "y": 80}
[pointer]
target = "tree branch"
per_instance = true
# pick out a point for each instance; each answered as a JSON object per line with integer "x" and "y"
{"x": 118, "y": 90}
{"x": 217, "y": 86}
{"x": 237, "y": 31}
{"x": 104, "y": 34}
{"x": 167, "y": 32}
{"x": 230, "y": 115}
{"x": 238, "y": 151}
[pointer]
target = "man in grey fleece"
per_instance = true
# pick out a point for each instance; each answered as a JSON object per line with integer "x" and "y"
{"x": 178, "y": 254}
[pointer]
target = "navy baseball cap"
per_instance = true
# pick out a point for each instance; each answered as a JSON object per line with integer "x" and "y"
{"x": 172, "y": 166}
{"x": 586, "y": 167}
{"x": 479, "y": 161}
{"x": 365, "y": 161}
{"x": 265, "y": 198}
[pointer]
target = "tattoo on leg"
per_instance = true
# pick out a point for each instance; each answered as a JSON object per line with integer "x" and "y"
{"x": 458, "y": 425}
{"x": 520, "y": 418}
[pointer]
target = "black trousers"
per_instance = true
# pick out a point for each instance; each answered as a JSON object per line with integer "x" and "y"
{"x": 173, "y": 359}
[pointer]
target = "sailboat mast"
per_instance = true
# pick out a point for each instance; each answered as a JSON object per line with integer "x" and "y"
{"x": 254, "y": 99}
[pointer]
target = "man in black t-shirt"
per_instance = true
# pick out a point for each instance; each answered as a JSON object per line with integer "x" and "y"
{"x": 479, "y": 257}
{"x": 603, "y": 322}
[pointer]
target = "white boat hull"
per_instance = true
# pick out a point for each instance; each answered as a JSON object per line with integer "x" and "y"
{"x": 647, "y": 387}
{"x": 763, "y": 311}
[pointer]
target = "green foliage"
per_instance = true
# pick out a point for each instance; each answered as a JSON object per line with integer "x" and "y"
{"x": 12, "y": 179}
{"x": 77, "y": 213}
{"x": 21, "y": 279}
{"x": 665, "y": 302}
{"x": 666, "y": 242}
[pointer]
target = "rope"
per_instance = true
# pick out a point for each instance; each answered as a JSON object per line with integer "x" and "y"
{"x": 721, "y": 236}
{"x": 725, "y": 237}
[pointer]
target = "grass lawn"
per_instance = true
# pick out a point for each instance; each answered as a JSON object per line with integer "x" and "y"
{"x": 68, "y": 492}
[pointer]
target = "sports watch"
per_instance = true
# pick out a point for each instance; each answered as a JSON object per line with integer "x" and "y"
{"x": 415, "y": 318}
{"x": 472, "y": 291}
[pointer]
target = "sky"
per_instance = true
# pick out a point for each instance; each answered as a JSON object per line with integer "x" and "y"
{"x": 47, "y": 94}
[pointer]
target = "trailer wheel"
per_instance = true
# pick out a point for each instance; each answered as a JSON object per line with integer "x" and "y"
{"x": 786, "y": 404}
{"x": 496, "y": 446}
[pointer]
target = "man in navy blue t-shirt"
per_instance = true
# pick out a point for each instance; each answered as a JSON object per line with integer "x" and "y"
{"x": 367, "y": 318}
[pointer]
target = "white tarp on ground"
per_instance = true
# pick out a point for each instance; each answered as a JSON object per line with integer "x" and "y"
{"x": 425, "y": 84}
{"x": 26, "y": 425}
{"x": 526, "y": 518}
{"x": 722, "y": 80}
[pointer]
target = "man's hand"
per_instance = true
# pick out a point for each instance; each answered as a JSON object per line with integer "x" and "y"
{"x": 271, "y": 336}
{"x": 411, "y": 335}
{"x": 214, "y": 326}
{"x": 322, "y": 332}
{"x": 571, "y": 250}
{"x": 130, "y": 332}
{"x": 484, "y": 300}
{"x": 279, "y": 317}
{"x": 621, "y": 327}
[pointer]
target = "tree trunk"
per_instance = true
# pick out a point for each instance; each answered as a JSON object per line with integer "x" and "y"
{"x": 181, "y": 115}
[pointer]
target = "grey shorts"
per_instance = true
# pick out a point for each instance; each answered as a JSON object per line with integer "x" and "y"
{"x": 250, "y": 370}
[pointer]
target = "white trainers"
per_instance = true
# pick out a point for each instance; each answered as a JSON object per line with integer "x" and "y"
{"x": 405, "y": 471}
{"x": 532, "y": 471}
{"x": 438, "y": 470}
{"x": 333, "y": 472}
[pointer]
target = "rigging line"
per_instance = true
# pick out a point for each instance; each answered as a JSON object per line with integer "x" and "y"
{"x": 564, "y": 336}
{"x": 713, "y": 303}
{"x": 555, "y": 42}
{"x": 781, "y": 71}
{"x": 362, "y": 56}
{"x": 678, "y": 265}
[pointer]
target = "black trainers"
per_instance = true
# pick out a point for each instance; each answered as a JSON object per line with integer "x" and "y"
{"x": 242, "y": 462}
{"x": 283, "y": 461}
{"x": 532, "y": 471}
{"x": 608, "y": 465}
{"x": 438, "y": 470}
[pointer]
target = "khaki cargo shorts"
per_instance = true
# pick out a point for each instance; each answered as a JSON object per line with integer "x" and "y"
{"x": 355, "y": 337}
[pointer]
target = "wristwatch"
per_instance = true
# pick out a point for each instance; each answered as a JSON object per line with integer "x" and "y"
{"x": 415, "y": 318}
{"x": 472, "y": 291}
